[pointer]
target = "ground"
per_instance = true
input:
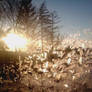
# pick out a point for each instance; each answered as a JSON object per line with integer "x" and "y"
{"x": 66, "y": 70}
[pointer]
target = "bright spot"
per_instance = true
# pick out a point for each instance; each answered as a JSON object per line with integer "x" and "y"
{"x": 69, "y": 61}
{"x": 44, "y": 70}
{"x": 54, "y": 65}
{"x": 15, "y": 42}
{"x": 39, "y": 43}
{"x": 45, "y": 65}
{"x": 73, "y": 77}
{"x": 66, "y": 85}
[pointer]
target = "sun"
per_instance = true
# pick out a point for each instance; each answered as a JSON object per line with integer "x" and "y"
{"x": 15, "y": 42}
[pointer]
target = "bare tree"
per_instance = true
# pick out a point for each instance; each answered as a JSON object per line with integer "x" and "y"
{"x": 8, "y": 12}
{"x": 20, "y": 14}
{"x": 45, "y": 22}
{"x": 48, "y": 21}
{"x": 27, "y": 16}
{"x": 55, "y": 35}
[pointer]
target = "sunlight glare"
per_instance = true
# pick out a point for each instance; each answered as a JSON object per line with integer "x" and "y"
{"x": 15, "y": 42}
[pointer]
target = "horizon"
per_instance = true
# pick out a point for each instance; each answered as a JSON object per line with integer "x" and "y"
{"x": 75, "y": 16}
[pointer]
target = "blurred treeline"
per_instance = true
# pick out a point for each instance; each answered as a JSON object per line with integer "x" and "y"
{"x": 40, "y": 25}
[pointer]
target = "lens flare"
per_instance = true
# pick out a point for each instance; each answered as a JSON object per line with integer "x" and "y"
{"x": 15, "y": 42}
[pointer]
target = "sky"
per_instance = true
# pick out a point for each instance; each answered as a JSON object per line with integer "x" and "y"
{"x": 75, "y": 16}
